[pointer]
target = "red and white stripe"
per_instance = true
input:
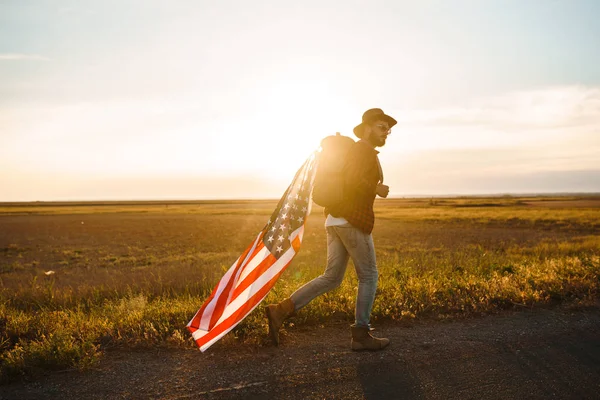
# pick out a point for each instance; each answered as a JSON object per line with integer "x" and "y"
{"x": 243, "y": 287}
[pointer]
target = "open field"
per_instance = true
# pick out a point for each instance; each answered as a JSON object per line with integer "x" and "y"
{"x": 77, "y": 279}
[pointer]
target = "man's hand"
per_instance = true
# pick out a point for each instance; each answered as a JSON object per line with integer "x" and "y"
{"x": 382, "y": 190}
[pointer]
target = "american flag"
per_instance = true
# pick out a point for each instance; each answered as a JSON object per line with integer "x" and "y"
{"x": 254, "y": 273}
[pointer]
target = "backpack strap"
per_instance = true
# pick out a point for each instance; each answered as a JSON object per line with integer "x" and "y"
{"x": 380, "y": 170}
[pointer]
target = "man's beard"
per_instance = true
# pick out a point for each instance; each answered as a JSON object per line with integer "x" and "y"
{"x": 377, "y": 141}
{"x": 380, "y": 141}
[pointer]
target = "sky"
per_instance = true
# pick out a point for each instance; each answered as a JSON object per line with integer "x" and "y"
{"x": 126, "y": 100}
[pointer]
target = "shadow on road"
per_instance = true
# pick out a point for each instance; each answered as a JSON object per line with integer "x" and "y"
{"x": 387, "y": 380}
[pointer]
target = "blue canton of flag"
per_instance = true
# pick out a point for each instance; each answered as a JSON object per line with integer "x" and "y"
{"x": 291, "y": 212}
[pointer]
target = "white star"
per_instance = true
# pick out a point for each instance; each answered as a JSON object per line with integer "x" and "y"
{"x": 269, "y": 223}
{"x": 297, "y": 196}
{"x": 300, "y": 219}
{"x": 274, "y": 228}
{"x": 282, "y": 227}
{"x": 270, "y": 239}
{"x": 286, "y": 206}
{"x": 304, "y": 209}
{"x": 280, "y": 238}
{"x": 279, "y": 249}
{"x": 284, "y": 215}
{"x": 295, "y": 207}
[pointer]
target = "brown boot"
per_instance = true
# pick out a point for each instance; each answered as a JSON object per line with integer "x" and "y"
{"x": 276, "y": 314}
{"x": 362, "y": 339}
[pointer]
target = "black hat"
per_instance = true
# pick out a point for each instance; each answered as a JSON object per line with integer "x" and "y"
{"x": 374, "y": 114}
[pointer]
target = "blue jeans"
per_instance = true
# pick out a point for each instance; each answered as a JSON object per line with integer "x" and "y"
{"x": 343, "y": 242}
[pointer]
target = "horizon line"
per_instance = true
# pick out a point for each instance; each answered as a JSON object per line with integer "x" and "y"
{"x": 245, "y": 199}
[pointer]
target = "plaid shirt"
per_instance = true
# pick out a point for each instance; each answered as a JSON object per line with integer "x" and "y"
{"x": 362, "y": 174}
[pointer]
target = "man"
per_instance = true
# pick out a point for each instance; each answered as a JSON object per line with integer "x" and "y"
{"x": 349, "y": 228}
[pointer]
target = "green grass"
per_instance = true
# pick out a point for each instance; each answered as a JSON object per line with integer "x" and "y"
{"x": 135, "y": 279}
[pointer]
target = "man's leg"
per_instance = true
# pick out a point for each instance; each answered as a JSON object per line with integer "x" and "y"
{"x": 362, "y": 250}
{"x": 366, "y": 270}
{"x": 337, "y": 260}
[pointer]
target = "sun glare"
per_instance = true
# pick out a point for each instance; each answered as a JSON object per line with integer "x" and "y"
{"x": 288, "y": 125}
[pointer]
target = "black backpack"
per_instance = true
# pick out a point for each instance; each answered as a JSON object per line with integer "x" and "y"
{"x": 328, "y": 189}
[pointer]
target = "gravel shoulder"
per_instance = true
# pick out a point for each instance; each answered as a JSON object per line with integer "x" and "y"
{"x": 530, "y": 354}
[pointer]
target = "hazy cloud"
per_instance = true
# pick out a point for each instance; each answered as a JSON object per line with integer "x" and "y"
{"x": 550, "y": 107}
{"x": 517, "y": 119}
{"x": 19, "y": 56}
{"x": 576, "y": 181}
{"x": 527, "y": 141}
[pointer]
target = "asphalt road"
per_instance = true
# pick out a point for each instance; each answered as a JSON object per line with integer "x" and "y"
{"x": 531, "y": 354}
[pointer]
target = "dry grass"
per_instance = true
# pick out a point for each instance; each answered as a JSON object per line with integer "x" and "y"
{"x": 134, "y": 274}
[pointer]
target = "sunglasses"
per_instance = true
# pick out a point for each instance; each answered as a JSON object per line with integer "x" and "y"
{"x": 384, "y": 128}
